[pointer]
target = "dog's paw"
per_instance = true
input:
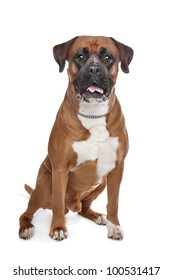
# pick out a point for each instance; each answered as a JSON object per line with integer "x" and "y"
{"x": 26, "y": 233}
{"x": 101, "y": 220}
{"x": 59, "y": 235}
{"x": 114, "y": 232}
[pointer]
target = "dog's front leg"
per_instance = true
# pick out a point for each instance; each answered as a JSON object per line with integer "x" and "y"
{"x": 58, "y": 230}
{"x": 113, "y": 186}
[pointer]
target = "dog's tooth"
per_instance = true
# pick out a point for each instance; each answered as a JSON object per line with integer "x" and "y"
{"x": 78, "y": 96}
{"x": 104, "y": 97}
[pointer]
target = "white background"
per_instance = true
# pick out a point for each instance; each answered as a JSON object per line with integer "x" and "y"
{"x": 31, "y": 91}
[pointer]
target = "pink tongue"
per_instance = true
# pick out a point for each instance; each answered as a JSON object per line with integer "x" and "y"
{"x": 93, "y": 89}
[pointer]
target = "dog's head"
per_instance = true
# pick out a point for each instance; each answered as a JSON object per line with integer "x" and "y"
{"x": 93, "y": 65}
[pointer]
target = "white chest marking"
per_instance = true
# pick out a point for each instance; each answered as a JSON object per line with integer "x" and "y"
{"x": 99, "y": 146}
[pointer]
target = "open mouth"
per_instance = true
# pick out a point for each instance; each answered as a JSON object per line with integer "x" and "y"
{"x": 96, "y": 89}
{"x": 92, "y": 93}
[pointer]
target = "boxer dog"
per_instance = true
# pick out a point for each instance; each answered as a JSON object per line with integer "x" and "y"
{"x": 88, "y": 142}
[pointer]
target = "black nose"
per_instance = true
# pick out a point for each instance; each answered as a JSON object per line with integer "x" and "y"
{"x": 94, "y": 69}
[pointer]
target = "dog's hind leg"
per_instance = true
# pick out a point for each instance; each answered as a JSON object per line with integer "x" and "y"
{"x": 87, "y": 212}
{"x": 40, "y": 198}
{"x": 26, "y": 230}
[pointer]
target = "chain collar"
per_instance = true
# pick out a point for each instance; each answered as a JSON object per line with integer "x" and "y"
{"x": 88, "y": 116}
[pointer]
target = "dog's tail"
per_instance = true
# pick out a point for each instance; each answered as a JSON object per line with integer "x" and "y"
{"x": 28, "y": 189}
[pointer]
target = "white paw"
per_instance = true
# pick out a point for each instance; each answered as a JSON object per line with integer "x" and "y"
{"x": 101, "y": 220}
{"x": 114, "y": 232}
{"x": 27, "y": 233}
{"x": 59, "y": 235}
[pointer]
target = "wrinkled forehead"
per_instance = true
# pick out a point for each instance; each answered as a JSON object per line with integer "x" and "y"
{"x": 93, "y": 44}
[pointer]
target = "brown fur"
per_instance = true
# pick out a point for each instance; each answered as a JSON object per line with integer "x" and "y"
{"x": 62, "y": 185}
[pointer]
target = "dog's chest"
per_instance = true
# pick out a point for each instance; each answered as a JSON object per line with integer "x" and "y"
{"x": 100, "y": 146}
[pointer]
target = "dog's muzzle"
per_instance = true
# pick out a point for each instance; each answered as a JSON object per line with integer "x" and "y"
{"x": 93, "y": 83}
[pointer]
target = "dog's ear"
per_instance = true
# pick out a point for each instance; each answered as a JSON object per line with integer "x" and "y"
{"x": 60, "y": 53}
{"x": 126, "y": 55}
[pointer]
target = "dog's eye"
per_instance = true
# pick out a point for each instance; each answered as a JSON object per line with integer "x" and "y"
{"x": 80, "y": 57}
{"x": 107, "y": 58}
